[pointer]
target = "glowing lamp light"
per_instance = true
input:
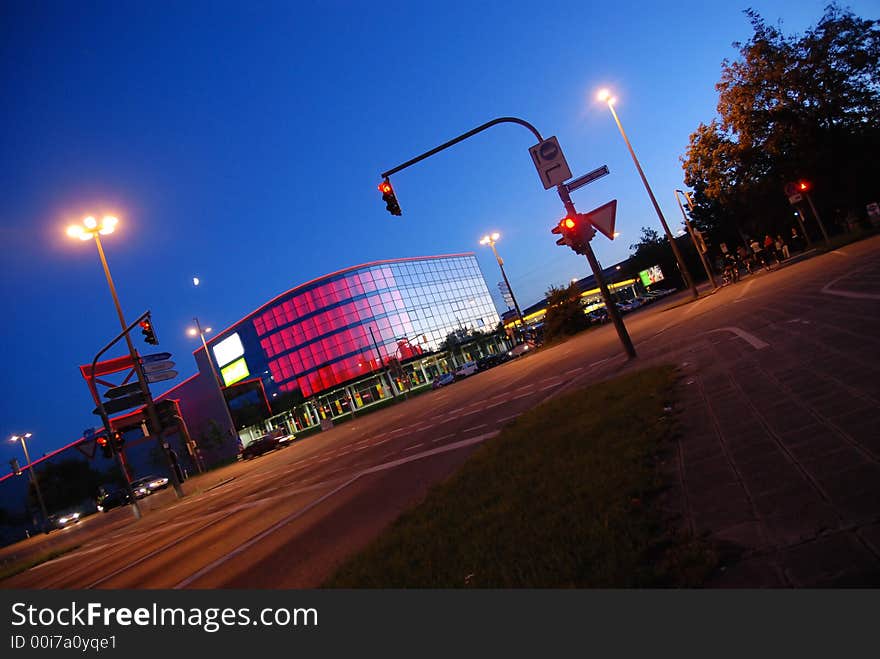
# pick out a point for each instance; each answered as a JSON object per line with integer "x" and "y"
{"x": 384, "y": 187}
{"x": 192, "y": 331}
{"x": 569, "y": 223}
{"x": 804, "y": 185}
{"x": 90, "y": 222}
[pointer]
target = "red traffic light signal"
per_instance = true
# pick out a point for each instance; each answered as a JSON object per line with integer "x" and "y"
{"x": 148, "y": 332}
{"x": 389, "y": 198}
{"x": 576, "y": 232}
{"x": 106, "y": 448}
{"x": 803, "y": 186}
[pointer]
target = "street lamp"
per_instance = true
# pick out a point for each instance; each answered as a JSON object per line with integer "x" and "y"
{"x": 605, "y": 96}
{"x": 91, "y": 228}
{"x": 197, "y": 330}
{"x": 490, "y": 240}
{"x": 33, "y": 474}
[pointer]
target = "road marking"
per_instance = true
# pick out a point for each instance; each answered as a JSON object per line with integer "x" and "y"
{"x": 442, "y": 437}
{"x": 601, "y": 361}
{"x": 828, "y": 290}
{"x": 508, "y": 418}
{"x": 482, "y": 425}
{"x": 500, "y": 402}
{"x": 745, "y": 289}
{"x": 692, "y": 306}
{"x": 750, "y": 338}
{"x": 839, "y": 252}
{"x": 556, "y": 382}
{"x": 413, "y": 447}
{"x": 574, "y": 370}
{"x": 525, "y": 395}
{"x": 283, "y": 522}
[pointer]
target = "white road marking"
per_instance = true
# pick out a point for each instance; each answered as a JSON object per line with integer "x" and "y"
{"x": 482, "y": 425}
{"x": 283, "y": 522}
{"x": 829, "y": 290}
{"x": 413, "y": 447}
{"x": 525, "y": 395}
{"x": 508, "y": 418}
{"x": 744, "y": 290}
{"x": 552, "y": 385}
{"x": 839, "y": 252}
{"x": 500, "y": 402}
{"x": 442, "y": 437}
{"x": 750, "y": 338}
{"x": 574, "y": 370}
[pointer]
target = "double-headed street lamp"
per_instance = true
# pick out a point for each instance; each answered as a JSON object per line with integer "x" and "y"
{"x": 33, "y": 473}
{"x": 92, "y": 229}
{"x": 490, "y": 240}
{"x": 605, "y": 96}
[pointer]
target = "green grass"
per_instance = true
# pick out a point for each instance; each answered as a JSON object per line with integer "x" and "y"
{"x": 11, "y": 569}
{"x": 563, "y": 497}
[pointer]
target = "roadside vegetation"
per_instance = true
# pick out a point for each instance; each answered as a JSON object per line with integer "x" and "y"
{"x": 566, "y": 496}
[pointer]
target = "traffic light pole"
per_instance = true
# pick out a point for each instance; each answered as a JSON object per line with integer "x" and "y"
{"x": 136, "y": 364}
{"x": 105, "y": 419}
{"x": 690, "y": 229}
{"x": 610, "y": 306}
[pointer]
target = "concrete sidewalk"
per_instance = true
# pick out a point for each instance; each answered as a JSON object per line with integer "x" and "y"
{"x": 779, "y": 460}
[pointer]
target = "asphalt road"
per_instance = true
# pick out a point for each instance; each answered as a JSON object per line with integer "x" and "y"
{"x": 287, "y": 519}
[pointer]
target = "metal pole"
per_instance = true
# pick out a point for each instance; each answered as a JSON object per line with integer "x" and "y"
{"x": 800, "y": 219}
{"x": 522, "y": 322}
{"x": 613, "y": 311}
{"x": 33, "y": 474}
{"x": 216, "y": 376}
{"x": 816, "y": 213}
{"x": 136, "y": 364}
{"x": 684, "y": 271}
{"x": 693, "y": 237}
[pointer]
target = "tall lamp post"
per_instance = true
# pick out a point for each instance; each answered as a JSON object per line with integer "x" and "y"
{"x": 490, "y": 240}
{"x": 33, "y": 475}
{"x": 92, "y": 229}
{"x": 605, "y": 96}
{"x": 197, "y": 330}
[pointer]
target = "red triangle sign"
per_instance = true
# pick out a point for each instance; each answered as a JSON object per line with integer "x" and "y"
{"x": 603, "y": 218}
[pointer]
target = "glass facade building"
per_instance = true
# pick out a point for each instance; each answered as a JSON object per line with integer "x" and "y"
{"x": 349, "y": 324}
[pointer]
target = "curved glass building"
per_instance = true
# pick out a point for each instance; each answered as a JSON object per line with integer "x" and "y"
{"x": 343, "y": 326}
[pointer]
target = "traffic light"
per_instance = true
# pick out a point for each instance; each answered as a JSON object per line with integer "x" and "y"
{"x": 106, "y": 448}
{"x": 803, "y": 186}
{"x": 118, "y": 441}
{"x": 576, "y": 232}
{"x": 389, "y": 198}
{"x": 148, "y": 332}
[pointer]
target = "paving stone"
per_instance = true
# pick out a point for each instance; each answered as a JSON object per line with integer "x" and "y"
{"x": 791, "y": 499}
{"x": 860, "y": 508}
{"x": 719, "y": 497}
{"x": 830, "y": 465}
{"x": 808, "y": 523}
{"x": 834, "y": 405}
{"x": 846, "y": 484}
{"x": 813, "y": 443}
{"x": 757, "y": 453}
{"x": 834, "y": 560}
{"x": 695, "y": 452}
{"x": 749, "y": 535}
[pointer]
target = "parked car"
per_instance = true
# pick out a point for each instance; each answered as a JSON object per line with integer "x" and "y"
{"x": 147, "y": 485}
{"x": 113, "y": 499}
{"x": 489, "y": 361}
{"x": 598, "y": 316}
{"x": 442, "y": 380}
{"x": 466, "y": 369}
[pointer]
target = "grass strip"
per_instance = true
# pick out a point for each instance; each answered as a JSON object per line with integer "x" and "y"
{"x": 564, "y": 497}
{"x": 10, "y": 570}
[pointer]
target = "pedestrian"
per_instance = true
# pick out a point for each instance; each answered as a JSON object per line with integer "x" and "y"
{"x": 759, "y": 254}
{"x": 743, "y": 255}
{"x": 782, "y": 248}
{"x": 795, "y": 240}
{"x": 769, "y": 248}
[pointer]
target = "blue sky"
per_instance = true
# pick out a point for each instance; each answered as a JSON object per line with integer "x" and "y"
{"x": 242, "y": 143}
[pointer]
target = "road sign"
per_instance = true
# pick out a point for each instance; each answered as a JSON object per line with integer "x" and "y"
{"x": 587, "y": 178}
{"x": 156, "y": 357}
{"x": 795, "y": 198}
{"x": 550, "y": 162}
{"x": 791, "y": 189}
{"x": 603, "y": 218}
{"x": 123, "y": 390}
{"x": 119, "y": 404}
{"x": 158, "y": 376}
{"x": 152, "y": 367}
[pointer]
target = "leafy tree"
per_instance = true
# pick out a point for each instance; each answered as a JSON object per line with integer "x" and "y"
{"x": 653, "y": 249}
{"x": 65, "y": 484}
{"x": 790, "y": 107}
{"x": 565, "y": 313}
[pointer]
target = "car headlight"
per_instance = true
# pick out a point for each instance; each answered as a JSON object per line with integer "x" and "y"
{"x": 159, "y": 482}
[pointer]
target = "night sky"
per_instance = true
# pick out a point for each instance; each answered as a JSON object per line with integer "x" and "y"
{"x": 242, "y": 143}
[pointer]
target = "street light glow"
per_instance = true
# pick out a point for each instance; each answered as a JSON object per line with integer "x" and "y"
{"x": 90, "y": 227}
{"x": 192, "y": 331}
{"x": 90, "y": 222}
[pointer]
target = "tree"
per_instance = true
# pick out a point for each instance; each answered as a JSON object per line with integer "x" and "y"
{"x": 791, "y": 107}
{"x": 654, "y": 249}
{"x": 565, "y": 313}
{"x": 65, "y": 484}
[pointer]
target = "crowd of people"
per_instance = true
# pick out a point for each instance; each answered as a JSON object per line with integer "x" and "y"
{"x": 757, "y": 254}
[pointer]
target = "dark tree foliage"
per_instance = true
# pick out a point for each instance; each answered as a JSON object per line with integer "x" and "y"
{"x": 565, "y": 313}
{"x": 790, "y": 108}
{"x": 65, "y": 484}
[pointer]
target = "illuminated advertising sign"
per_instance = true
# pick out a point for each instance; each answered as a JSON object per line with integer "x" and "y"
{"x": 651, "y": 276}
{"x": 228, "y": 349}
{"x": 234, "y": 372}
